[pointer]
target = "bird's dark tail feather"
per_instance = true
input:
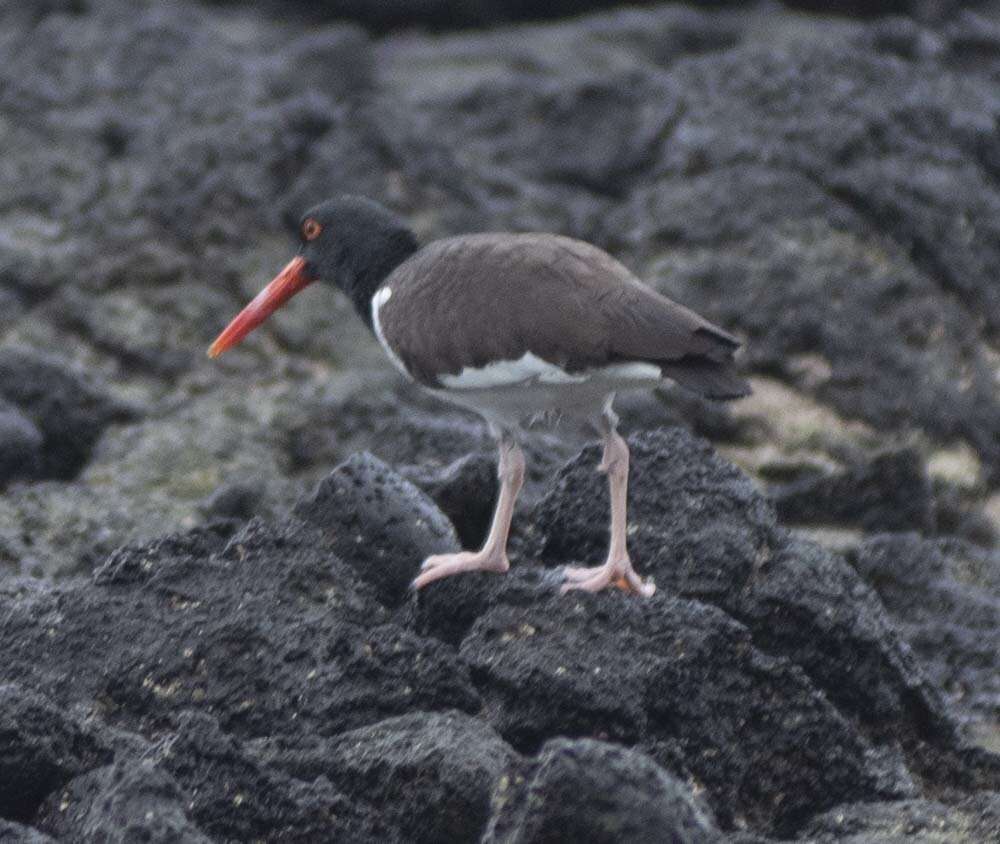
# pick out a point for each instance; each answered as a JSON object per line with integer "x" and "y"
{"x": 707, "y": 378}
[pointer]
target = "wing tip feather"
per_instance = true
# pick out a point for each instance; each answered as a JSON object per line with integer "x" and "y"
{"x": 710, "y": 380}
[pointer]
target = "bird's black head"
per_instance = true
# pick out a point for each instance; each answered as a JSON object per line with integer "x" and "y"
{"x": 348, "y": 241}
{"x": 354, "y": 243}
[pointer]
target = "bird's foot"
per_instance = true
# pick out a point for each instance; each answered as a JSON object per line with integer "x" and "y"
{"x": 617, "y": 571}
{"x": 445, "y": 565}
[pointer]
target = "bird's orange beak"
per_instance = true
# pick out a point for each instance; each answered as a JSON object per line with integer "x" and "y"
{"x": 293, "y": 278}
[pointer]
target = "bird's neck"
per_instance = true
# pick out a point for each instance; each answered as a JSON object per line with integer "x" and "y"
{"x": 384, "y": 257}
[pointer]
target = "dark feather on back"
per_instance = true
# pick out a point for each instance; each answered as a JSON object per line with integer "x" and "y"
{"x": 473, "y": 300}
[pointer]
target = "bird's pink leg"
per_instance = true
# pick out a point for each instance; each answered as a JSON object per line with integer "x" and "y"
{"x": 493, "y": 555}
{"x": 617, "y": 569}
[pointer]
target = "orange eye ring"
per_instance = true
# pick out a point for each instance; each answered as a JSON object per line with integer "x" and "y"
{"x": 311, "y": 229}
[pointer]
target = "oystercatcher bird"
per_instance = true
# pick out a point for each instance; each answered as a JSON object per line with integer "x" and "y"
{"x": 514, "y": 327}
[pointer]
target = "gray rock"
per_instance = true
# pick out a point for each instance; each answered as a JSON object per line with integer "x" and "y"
{"x": 407, "y": 428}
{"x": 942, "y": 594}
{"x": 756, "y": 222}
{"x": 41, "y": 748}
{"x": 382, "y": 15}
{"x": 124, "y": 802}
{"x": 237, "y": 501}
{"x": 587, "y": 790}
{"x": 891, "y": 492}
{"x": 824, "y": 187}
{"x": 385, "y": 15}
{"x": 698, "y": 525}
{"x": 235, "y": 794}
{"x": 747, "y": 183}
{"x": 427, "y": 775}
{"x": 215, "y": 646}
{"x": 669, "y": 673}
{"x": 68, "y": 410}
{"x": 16, "y": 833}
{"x": 238, "y": 627}
{"x": 379, "y": 521}
{"x": 20, "y": 445}
{"x": 702, "y": 530}
{"x": 465, "y": 490}
{"x": 974, "y": 819}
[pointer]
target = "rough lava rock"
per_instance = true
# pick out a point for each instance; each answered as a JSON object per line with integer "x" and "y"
{"x": 762, "y": 740}
{"x": 231, "y": 628}
{"x": 825, "y": 187}
{"x": 254, "y": 685}
{"x": 428, "y": 775}
{"x": 975, "y": 819}
{"x": 942, "y": 596}
{"x": 129, "y": 801}
{"x": 702, "y": 530}
{"x": 381, "y": 15}
{"x": 206, "y": 785}
{"x": 465, "y": 490}
{"x": 379, "y": 521}
{"x": 587, "y": 790}
{"x": 20, "y": 445}
{"x": 743, "y": 160}
{"x": 17, "y": 833}
{"x": 67, "y": 409}
{"x": 208, "y": 646}
{"x": 891, "y": 492}
{"x": 41, "y": 748}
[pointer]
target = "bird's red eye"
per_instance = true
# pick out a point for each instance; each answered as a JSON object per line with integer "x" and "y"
{"x": 311, "y": 229}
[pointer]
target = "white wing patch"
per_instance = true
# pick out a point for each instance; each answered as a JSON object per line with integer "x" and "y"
{"x": 378, "y": 300}
{"x": 630, "y": 372}
{"x": 506, "y": 373}
{"x": 530, "y": 368}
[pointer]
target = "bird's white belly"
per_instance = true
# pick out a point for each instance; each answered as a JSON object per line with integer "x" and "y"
{"x": 516, "y": 405}
{"x": 511, "y": 393}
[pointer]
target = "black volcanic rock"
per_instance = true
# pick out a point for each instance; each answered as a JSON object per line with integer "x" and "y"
{"x": 16, "y": 833}
{"x": 891, "y": 492}
{"x": 281, "y": 698}
{"x": 746, "y": 163}
{"x": 587, "y": 790}
{"x": 465, "y": 490}
{"x": 41, "y": 748}
{"x": 237, "y": 795}
{"x": 274, "y": 614}
{"x": 698, "y": 525}
{"x": 881, "y": 288}
{"x": 69, "y": 410}
{"x": 379, "y": 521}
{"x": 752, "y": 728}
{"x": 974, "y": 819}
{"x": 824, "y": 187}
{"x": 942, "y": 596}
{"x": 402, "y": 428}
{"x": 383, "y": 15}
{"x": 20, "y": 445}
{"x": 201, "y": 784}
{"x": 421, "y": 435}
{"x": 387, "y": 766}
{"x": 234, "y": 501}
{"x": 212, "y": 646}
{"x": 127, "y": 801}
{"x": 702, "y": 530}
{"x": 427, "y": 775}
{"x": 808, "y": 604}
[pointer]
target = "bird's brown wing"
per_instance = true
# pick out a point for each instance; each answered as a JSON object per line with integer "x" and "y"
{"x": 470, "y": 301}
